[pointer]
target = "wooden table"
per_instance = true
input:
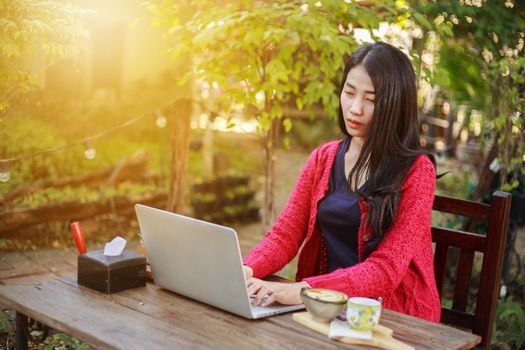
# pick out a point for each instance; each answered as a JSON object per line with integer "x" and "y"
{"x": 154, "y": 318}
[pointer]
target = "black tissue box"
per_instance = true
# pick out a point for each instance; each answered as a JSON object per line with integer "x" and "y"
{"x": 110, "y": 274}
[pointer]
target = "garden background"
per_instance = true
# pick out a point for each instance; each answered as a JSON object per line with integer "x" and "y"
{"x": 210, "y": 108}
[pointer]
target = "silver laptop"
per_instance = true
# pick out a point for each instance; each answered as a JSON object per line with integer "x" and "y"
{"x": 200, "y": 260}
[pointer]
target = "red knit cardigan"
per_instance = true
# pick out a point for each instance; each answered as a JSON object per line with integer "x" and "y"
{"x": 400, "y": 269}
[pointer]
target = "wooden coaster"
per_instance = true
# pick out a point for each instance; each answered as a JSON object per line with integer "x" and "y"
{"x": 381, "y": 335}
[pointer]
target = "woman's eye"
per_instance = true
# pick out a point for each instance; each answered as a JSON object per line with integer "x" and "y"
{"x": 350, "y": 92}
{"x": 371, "y": 99}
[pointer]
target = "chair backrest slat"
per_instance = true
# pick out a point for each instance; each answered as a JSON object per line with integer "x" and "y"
{"x": 459, "y": 239}
{"x": 466, "y": 260}
{"x": 440, "y": 264}
{"x": 463, "y": 207}
{"x": 490, "y": 244}
{"x": 491, "y": 267}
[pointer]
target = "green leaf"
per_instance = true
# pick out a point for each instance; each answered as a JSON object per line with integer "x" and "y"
{"x": 286, "y": 142}
{"x": 6, "y": 324}
{"x": 499, "y": 122}
{"x": 36, "y": 333}
{"x": 66, "y": 339}
{"x": 277, "y": 111}
{"x": 299, "y": 103}
{"x": 230, "y": 124}
{"x": 420, "y": 19}
{"x": 265, "y": 122}
{"x": 287, "y": 124}
{"x": 153, "y": 8}
{"x": 446, "y": 30}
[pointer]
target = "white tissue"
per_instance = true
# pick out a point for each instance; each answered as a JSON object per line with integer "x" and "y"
{"x": 340, "y": 329}
{"x": 115, "y": 247}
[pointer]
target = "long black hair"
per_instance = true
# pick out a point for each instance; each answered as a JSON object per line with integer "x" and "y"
{"x": 392, "y": 143}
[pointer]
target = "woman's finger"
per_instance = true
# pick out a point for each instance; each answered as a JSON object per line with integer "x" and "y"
{"x": 264, "y": 292}
{"x": 254, "y": 285}
{"x": 248, "y": 272}
{"x": 260, "y": 294}
{"x": 253, "y": 288}
{"x": 268, "y": 299}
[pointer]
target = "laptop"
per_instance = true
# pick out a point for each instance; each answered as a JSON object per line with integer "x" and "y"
{"x": 199, "y": 260}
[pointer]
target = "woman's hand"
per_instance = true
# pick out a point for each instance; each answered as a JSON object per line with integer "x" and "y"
{"x": 248, "y": 272}
{"x": 267, "y": 292}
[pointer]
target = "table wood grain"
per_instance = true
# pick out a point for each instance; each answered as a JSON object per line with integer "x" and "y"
{"x": 154, "y": 318}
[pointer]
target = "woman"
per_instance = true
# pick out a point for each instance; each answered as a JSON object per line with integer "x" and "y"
{"x": 361, "y": 207}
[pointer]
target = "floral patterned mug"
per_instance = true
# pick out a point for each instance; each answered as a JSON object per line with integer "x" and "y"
{"x": 362, "y": 313}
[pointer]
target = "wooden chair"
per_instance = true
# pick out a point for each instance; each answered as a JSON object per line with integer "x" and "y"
{"x": 492, "y": 246}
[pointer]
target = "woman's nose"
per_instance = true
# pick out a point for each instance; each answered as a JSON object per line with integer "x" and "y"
{"x": 356, "y": 107}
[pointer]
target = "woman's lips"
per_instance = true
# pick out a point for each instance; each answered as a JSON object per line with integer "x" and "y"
{"x": 353, "y": 124}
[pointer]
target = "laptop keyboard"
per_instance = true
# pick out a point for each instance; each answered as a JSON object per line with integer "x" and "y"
{"x": 269, "y": 307}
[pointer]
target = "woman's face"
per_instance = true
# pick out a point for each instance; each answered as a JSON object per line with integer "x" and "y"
{"x": 357, "y": 102}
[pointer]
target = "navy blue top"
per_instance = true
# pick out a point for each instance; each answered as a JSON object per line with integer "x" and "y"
{"x": 339, "y": 215}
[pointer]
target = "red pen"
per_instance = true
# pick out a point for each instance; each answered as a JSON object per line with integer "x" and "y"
{"x": 78, "y": 236}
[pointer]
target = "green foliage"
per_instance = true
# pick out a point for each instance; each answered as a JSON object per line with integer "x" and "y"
{"x": 481, "y": 64}
{"x": 21, "y": 135}
{"x": 509, "y": 327}
{"x": 446, "y": 302}
{"x": 308, "y": 132}
{"x": 26, "y": 135}
{"x": 243, "y": 160}
{"x": 49, "y": 26}
{"x": 264, "y": 56}
{"x": 56, "y": 341}
{"x": 5, "y": 324}
{"x": 224, "y": 199}
{"x": 81, "y": 194}
{"x": 60, "y": 341}
{"x": 45, "y": 119}
{"x": 456, "y": 183}
{"x": 470, "y": 89}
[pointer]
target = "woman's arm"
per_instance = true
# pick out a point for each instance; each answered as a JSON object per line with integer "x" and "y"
{"x": 384, "y": 269}
{"x": 282, "y": 242}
